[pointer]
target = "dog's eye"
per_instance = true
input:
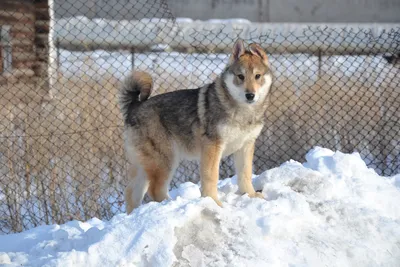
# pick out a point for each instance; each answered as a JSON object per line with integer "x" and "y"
{"x": 240, "y": 76}
{"x": 257, "y": 76}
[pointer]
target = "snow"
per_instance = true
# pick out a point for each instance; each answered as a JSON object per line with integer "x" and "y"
{"x": 331, "y": 210}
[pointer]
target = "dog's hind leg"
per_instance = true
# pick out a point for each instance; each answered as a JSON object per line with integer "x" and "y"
{"x": 156, "y": 155}
{"x": 160, "y": 175}
{"x": 136, "y": 188}
{"x": 159, "y": 164}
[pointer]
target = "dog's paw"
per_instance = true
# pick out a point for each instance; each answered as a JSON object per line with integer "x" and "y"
{"x": 212, "y": 195}
{"x": 219, "y": 203}
{"x": 257, "y": 194}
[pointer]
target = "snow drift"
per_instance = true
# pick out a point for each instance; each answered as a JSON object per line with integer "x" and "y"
{"x": 330, "y": 211}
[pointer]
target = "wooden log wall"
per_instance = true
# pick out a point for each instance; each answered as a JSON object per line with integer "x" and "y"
{"x": 29, "y": 21}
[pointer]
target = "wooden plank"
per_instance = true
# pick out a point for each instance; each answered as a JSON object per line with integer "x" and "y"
{"x": 22, "y": 35}
{"x": 16, "y": 6}
{"x": 43, "y": 4}
{"x": 42, "y": 13}
{"x": 23, "y": 72}
{"x": 16, "y": 16}
{"x": 42, "y": 54}
{"x": 42, "y": 40}
{"x": 20, "y": 1}
{"x": 24, "y": 56}
{"x": 40, "y": 69}
{"x": 24, "y": 27}
{"x": 28, "y": 48}
{"x": 38, "y": 2}
{"x": 22, "y": 42}
{"x": 42, "y": 26}
{"x": 24, "y": 64}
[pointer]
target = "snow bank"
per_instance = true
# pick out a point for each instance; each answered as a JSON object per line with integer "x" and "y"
{"x": 330, "y": 211}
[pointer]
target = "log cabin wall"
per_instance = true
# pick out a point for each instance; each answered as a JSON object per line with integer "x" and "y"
{"x": 24, "y": 47}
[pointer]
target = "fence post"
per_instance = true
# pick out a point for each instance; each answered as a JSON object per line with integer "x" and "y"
{"x": 133, "y": 58}
{"x": 58, "y": 53}
{"x": 5, "y": 40}
{"x": 319, "y": 63}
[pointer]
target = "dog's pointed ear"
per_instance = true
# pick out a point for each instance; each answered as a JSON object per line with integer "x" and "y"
{"x": 237, "y": 51}
{"x": 257, "y": 50}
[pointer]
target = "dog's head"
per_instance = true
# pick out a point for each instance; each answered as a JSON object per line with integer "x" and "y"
{"x": 248, "y": 77}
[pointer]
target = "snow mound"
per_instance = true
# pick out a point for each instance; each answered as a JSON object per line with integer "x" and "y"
{"x": 330, "y": 211}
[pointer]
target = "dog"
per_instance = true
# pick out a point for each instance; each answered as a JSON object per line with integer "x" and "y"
{"x": 205, "y": 124}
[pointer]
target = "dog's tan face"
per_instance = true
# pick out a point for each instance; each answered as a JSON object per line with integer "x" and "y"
{"x": 248, "y": 76}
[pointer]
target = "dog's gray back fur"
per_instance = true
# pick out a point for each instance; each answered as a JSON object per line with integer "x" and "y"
{"x": 176, "y": 112}
{"x": 183, "y": 114}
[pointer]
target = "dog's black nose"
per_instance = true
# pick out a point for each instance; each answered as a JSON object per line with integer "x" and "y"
{"x": 250, "y": 96}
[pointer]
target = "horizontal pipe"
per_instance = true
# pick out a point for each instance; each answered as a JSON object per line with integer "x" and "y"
{"x": 146, "y": 35}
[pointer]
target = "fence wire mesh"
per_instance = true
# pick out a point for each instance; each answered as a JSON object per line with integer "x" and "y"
{"x": 61, "y": 146}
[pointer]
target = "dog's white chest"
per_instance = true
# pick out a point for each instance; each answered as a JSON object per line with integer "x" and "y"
{"x": 235, "y": 137}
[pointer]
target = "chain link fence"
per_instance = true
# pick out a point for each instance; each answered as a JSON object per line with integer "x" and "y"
{"x": 61, "y": 146}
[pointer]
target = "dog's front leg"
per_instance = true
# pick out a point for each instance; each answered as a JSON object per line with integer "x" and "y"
{"x": 211, "y": 154}
{"x": 243, "y": 159}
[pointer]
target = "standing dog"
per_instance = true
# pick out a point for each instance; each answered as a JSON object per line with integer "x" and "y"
{"x": 208, "y": 123}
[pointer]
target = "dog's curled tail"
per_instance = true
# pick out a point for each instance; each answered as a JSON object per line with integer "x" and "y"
{"x": 136, "y": 88}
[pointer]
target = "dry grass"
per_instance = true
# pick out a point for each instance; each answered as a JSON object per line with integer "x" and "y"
{"x": 359, "y": 113}
{"x": 63, "y": 159}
